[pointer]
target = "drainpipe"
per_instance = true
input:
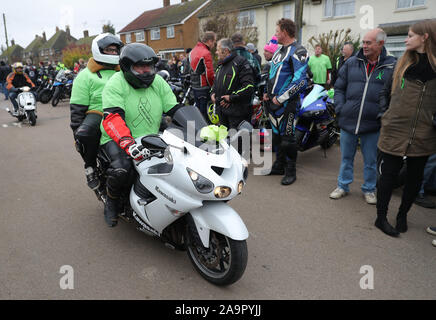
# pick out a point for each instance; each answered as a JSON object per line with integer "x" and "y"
{"x": 266, "y": 24}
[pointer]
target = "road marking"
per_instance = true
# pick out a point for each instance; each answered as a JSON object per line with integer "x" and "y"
{"x": 4, "y": 125}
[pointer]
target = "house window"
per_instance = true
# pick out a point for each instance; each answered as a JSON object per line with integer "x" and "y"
{"x": 246, "y": 19}
{"x": 287, "y": 11}
{"x": 128, "y": 38}
{"x": 170, "y": 32}
{"x": 395, "y": 45}
{"x": 339, "y": 8}
{"x": 139, "y": 36}
{"x": 402, "y": 4}
{"x": 155, "y": 34}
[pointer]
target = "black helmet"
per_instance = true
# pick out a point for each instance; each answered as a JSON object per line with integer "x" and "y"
{"x": 164, "y": 74}
{"x": 138, "y": 53}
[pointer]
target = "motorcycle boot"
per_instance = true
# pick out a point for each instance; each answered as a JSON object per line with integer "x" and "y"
{"x": 92, "y": 178}
{"x": 112, "y": 208}
{"x": 290, "y": 173}
{"x": 278, "y": 167}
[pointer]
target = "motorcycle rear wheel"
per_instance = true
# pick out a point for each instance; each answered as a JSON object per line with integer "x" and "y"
{"x": 44, "y": 96}
{"x": 223, "y": 263}
{"x": 32, "y": 118}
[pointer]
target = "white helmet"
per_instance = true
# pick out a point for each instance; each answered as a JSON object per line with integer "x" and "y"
{"x": 101, "y": 42}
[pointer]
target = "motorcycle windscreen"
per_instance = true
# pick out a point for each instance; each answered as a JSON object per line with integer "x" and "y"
{"x": 60, "y": 75}
{"x": 315, "y": 94}
{"x": 188, "y": 119}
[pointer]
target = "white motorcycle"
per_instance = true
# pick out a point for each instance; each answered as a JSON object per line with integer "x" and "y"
{"x": 180, "y": 195}
{"x": 26, "y": 106}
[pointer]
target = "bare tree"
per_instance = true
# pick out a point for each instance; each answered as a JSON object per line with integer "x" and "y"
{"x": 332, "y": 42}
{"x": 225, "y": 25}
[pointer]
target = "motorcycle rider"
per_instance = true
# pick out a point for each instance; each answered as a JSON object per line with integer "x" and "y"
{"x": 86, "y": 103}
{"x": 134, "y": 101}
{"x": 234, "y": 86}
{"x": 15, "y": 80}
{"x": 287, "y": 78}
{"x": 30, "y": 69}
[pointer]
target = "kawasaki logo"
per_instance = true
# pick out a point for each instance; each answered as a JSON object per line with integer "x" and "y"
{"x": 165, "y": 195}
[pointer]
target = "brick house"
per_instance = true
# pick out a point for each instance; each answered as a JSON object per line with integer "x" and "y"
{"x": 86, "y": 40}
{"x": 169, "y": 30}
{"x": 13, "y": 54}
{"x": 52, "y": 49}
{"x": 32, "y": 50}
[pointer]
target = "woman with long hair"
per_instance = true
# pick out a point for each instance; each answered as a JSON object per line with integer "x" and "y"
{"x": 408, "y": 122}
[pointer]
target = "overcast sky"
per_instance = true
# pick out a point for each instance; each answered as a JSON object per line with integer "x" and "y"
{"x": 27, "y": 18}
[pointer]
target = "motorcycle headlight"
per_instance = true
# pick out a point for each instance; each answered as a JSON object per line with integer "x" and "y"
{"x": 240, "y": 186}
{"x": 202, "y": 184}
{"x": 222, "y": 192}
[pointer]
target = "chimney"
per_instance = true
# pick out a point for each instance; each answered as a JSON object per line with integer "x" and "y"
{"x": 13, "y": 42}
{"x": 85, "y": 33}
{"x": 44, "y": 36}
{"x": 67, "y": 30}
{"x": 57, "y": 28}
{"x": 166, "y": 3}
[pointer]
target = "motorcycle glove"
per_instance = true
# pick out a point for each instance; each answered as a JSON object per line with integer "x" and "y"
{"x": 136, "y": 151}
{"x": 117, "y": 129}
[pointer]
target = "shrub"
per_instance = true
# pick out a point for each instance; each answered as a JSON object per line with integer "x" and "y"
{"x": 73, "y": 53}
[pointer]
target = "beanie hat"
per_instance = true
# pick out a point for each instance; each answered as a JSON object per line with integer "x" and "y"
{"x": 272, "y": 45}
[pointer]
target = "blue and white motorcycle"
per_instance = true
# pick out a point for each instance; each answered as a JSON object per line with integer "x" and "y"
{"x": 63, "y": 85}
{"x": 315, "y": 122}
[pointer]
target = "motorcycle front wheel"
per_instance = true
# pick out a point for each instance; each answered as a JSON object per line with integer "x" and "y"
{"x": 45, "y": 95}
{"x": 223, "y": 263}
{"x": 32, "y": 117}
{"x": 56, "y": 97}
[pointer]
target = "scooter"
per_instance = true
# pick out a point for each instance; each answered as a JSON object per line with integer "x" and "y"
{"x": 181, "y": 192}
{"x": 26, "y": 106}
{"x": 315, "y": 122}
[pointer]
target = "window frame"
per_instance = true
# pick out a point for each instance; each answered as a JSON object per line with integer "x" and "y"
{"x": 285, "y": 6}
{"x": 331, "y": 5}
{"x": 140, "y": 33}
{"x": 410, "y": 6}
{"x": 153, "y": 34}
{"x": 173, "y": 33}
{"x": 128, "y": 38}
{"x": 251, "y": 13}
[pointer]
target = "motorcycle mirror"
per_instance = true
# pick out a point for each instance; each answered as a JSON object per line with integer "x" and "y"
{"x": 154, "y": 143}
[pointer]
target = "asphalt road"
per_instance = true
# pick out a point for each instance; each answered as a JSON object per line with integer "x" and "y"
{"x": 302, "y": 245}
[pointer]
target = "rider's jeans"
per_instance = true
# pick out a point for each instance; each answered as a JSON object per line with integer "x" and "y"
{"x": 201, "y": 97}
{"x": 4, "y": 90}
{"x": 13, "y": 96}
{"x": 368, "y": 147}
{"x": 429, "y": 174}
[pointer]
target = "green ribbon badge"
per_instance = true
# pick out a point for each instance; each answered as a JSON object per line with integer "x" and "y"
{"x": 380, "y": 75}
{"x": 213, "y": 133}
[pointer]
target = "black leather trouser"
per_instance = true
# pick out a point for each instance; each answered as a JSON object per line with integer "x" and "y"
{"x": 120, "y": 174}
{"x": 282, "y": 124}
{"x": 87, "y": 138}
